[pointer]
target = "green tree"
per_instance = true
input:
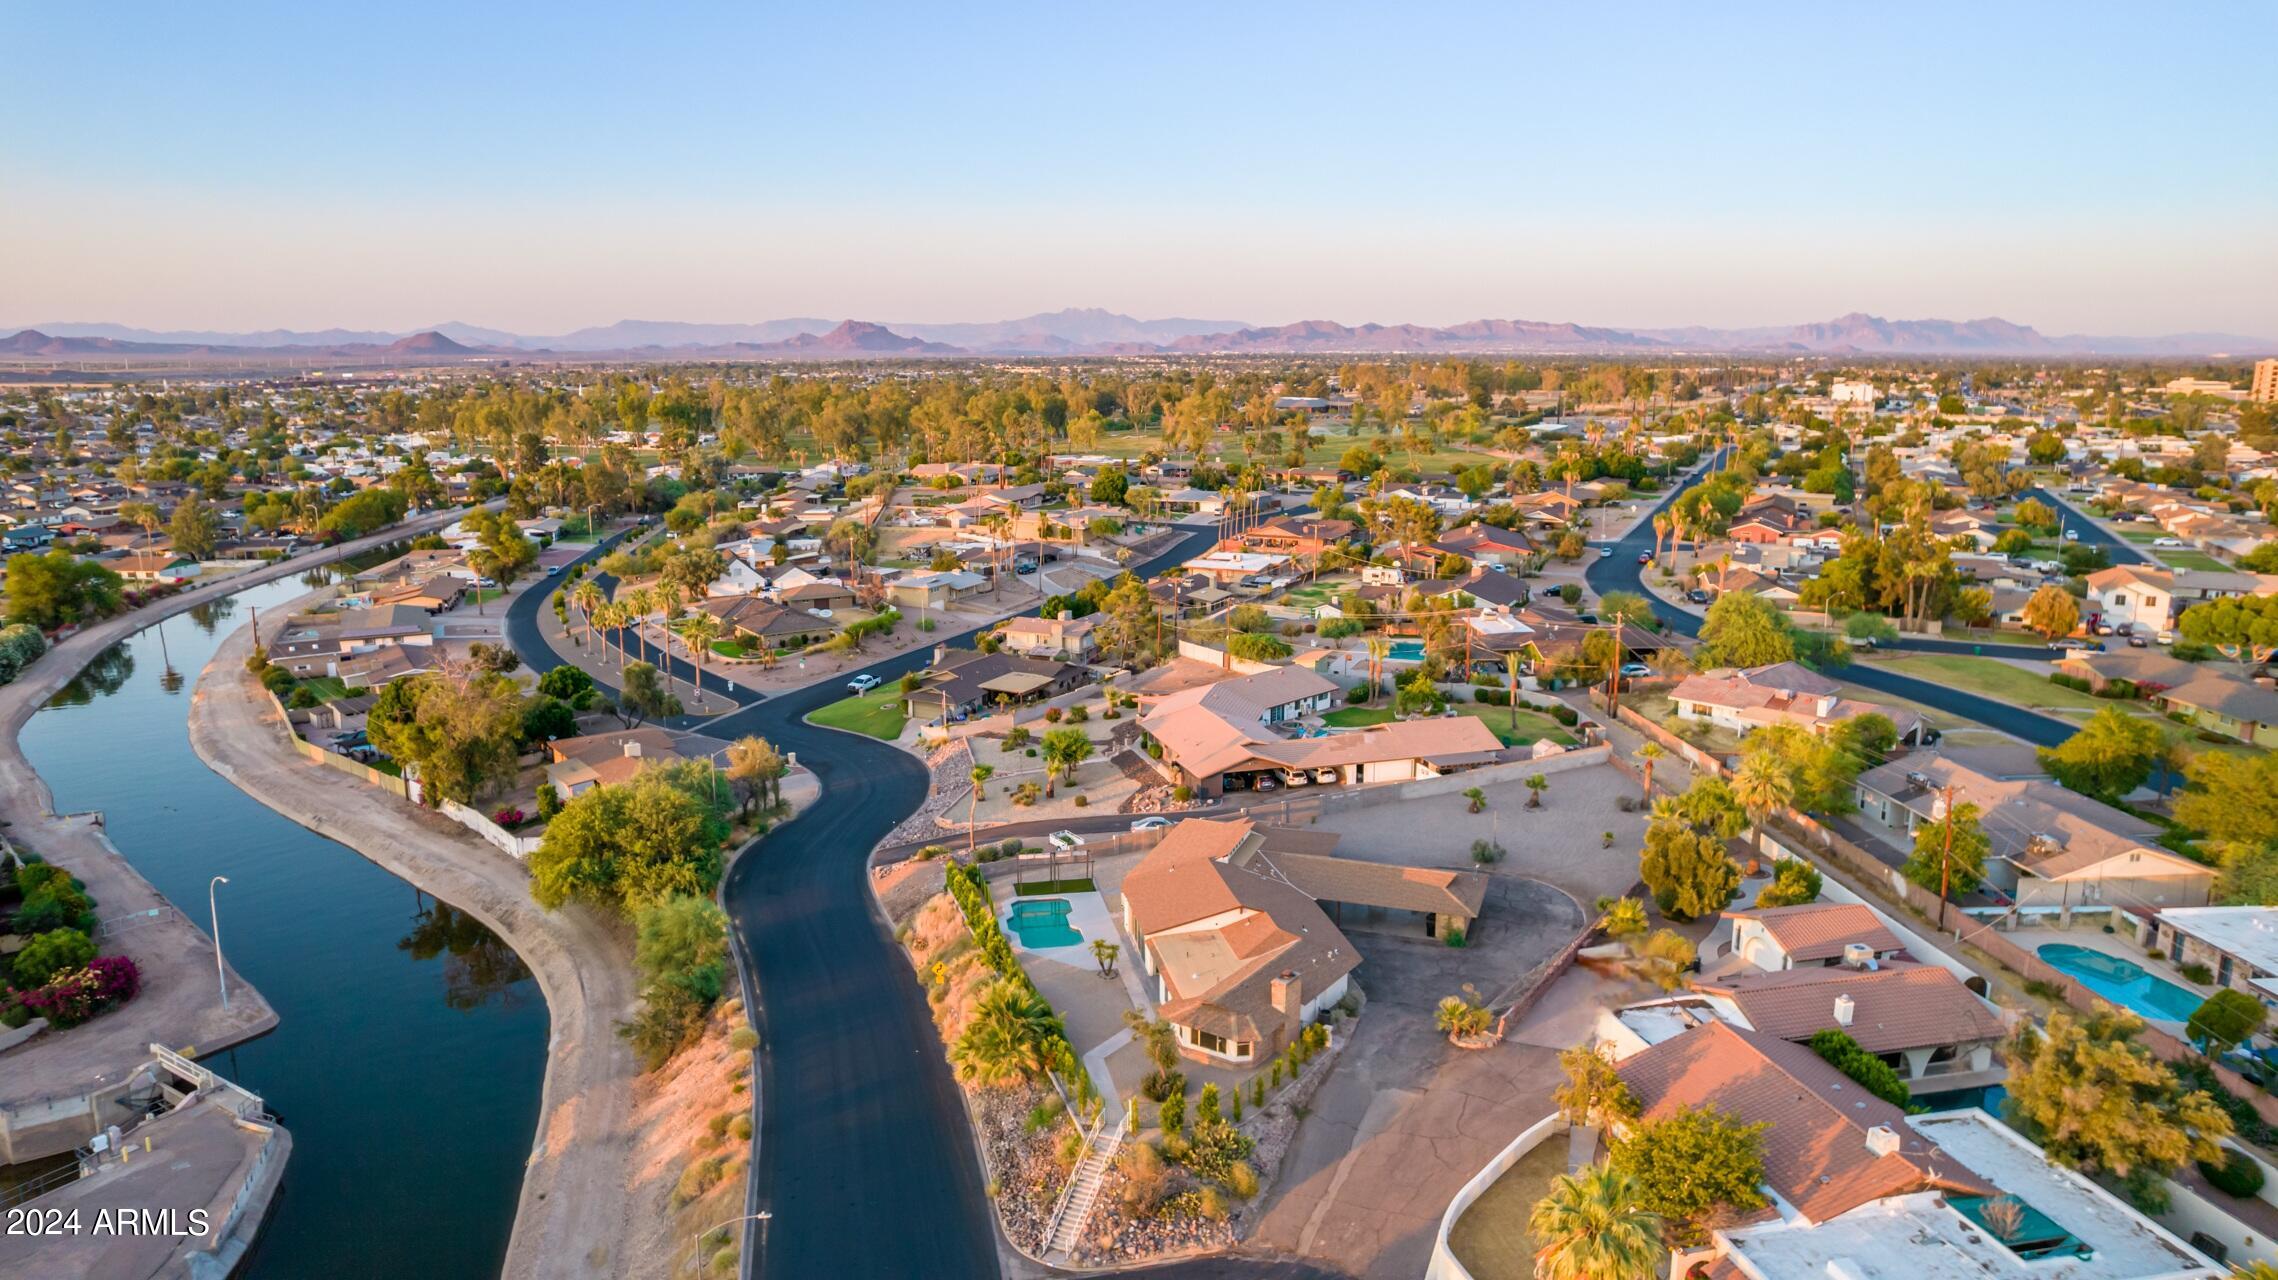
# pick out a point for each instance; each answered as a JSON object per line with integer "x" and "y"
{"x": 1257, "y": 646}
{"x": 642, "y": 695}
{"x": 1763, "y": 788}
{"x": 1944, "y": 867}
{"x": 2110, "y": 756}
{"x": 2224, "y": 1021}
{"x": 2052, "y": 612}
{"x": 1593, "y": 1226}
{"x": 56, "y": 588}
{"x": 633, "y": 843}
{"x": 195, "y": 530}
{"x": 1794, "y": 883}
{"x": 1063, "y": 750}
{"x": 680, "y": 935}
{"x": 2232, "y": 801}
{"x": 458, "y": 730}
{"x": 2239, "y": 626}
{"x": 756, "y": 767}
{"x": 1593, "y": 1093}
{"x": 1743, "y": 630}
{"x": 1692, "y": 1164}
{"x": 1684, "y": 864}
{"x": 2098, "y": 1101}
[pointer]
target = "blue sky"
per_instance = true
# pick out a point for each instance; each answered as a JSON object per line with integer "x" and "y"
{"x": 2078, "y": 167}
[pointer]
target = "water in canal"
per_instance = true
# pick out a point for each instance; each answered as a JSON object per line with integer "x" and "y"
{"x": 408, "y": 1060}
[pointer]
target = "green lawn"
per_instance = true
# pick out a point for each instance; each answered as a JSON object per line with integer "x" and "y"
{"x": 1987, "y": 677}
{"x": 2133, "y": 534}
{"x": 2188, "y": 559}
{"x": 325, "y": 688}
{"x": 877, "y": 713}
{"x": 1531, "y": 724}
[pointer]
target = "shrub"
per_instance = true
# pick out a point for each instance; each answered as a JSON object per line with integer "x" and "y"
{"x": 2239, "y": 1175}
{"x": 1052, "y": 715}
{"x": 1078, "y": 714}
{"x": 2198, "y": 973}
{"x": 1242, "y": 1180}
{"x": 1182, "y": 793}
{"x": 698, "y": 1178}
{"x": 1172, "y": 1113}
{"x": 743, "y": 1039}
{"x": 2045, "y": 990}
{"x": 1082, "y": 801}
{"x": 1027, "y": 793}
{"x": 1871, "y": 1073}
{"x": 1486, "y": 852}
{"x": 1161, "y": 1084}
{"x": 51, "y": 953}
{"x": 741, "y": 1128}
{"x": 1356, "y": 695}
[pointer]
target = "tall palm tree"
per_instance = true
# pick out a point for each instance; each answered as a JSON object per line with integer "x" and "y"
{"x": 1593, "y": 1228}
{"x": 639, "y": 603}
{"x": 1762, "y": 786}
{"x": 1649, "y": 753}
{"x": 587, "y": 597}
{"x": 1511, "y": 686}
{"x": 980, "y": 775}
{"x": 700, "y": 629}
{"x": 1378, "y": 649}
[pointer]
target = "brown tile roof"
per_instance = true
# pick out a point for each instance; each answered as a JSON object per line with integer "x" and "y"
{"x": 1817, "y": 931}
{"x": 1379, "y": 884}
{"x": 1896, "y": 1006}
{"x": 1176, "y": 883}
{"x": 1815, "y": 1143}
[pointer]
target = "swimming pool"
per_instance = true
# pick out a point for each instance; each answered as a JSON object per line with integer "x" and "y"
{"x": 1406, "y": 651}
{"x": 1042, "y": 922}
{"x": 2123, "y": 982}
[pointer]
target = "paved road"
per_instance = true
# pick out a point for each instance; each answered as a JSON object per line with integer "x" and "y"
{"x": 2119, "y": 549}
{"x": 1622, "y": 572}
{"x": 865, "y": 1156}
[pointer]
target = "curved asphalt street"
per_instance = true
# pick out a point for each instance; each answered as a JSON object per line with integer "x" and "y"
{"x": 1621, "y": 571}
{"x": 864, "y": 1156}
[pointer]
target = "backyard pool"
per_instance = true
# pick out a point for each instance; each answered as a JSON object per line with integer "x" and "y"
{"x": 1043, "y": 923}
{"x": 1406, "y": 651}
{"x": 2123, "y": 982}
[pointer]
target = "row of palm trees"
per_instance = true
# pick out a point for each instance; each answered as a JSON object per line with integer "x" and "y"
{"x": 631, "y": 609}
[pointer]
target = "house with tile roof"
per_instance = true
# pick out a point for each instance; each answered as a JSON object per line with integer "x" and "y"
{"x": 1222, "y": 736}
{"x": 578, "y": 765}
{"x": 2221, "y": 702}
{"x": 1811, "y": 935}
{"x": 1237, "y": 928}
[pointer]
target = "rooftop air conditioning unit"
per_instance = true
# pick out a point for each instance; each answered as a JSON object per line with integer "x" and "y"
{"x": 1858, "y": 955}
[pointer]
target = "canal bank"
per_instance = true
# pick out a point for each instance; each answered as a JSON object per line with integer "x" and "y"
{"x": 410, "y": 1041}
{"x": 571, "y": 1214}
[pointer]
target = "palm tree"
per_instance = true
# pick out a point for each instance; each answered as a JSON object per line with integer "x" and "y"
{"x": 1063, "y": 750}
{"x": 1004, "y": 1040}
{"x": 981, "y": 775}
{"x": 1649, "y": 753}
{"x": 1104, "y": 954}
{"x": 1593, "y": 1228}
{"x": 639, "y": 602}
{"x": 1511, "y": 686}
{"x": 1379, "y": 648}
{"x": 587, "y": 597}
{"x": 1762, "y": 787}
{"x": 1536, "y": 785}
{"x": 700, "y": 629}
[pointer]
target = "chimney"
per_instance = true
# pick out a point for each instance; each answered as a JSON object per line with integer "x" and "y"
{"x": 632, "y": 746}
{"x": 1826, "y": 705}
{"x": 940, "y": 654}
{"x": 1288, "y": 993}
{"x": 1882, "y": 1140}
{"x": 1845, "y": 1007}
{"x": 1067, "y": 615}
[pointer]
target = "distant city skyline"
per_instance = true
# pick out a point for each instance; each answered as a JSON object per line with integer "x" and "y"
{"x": 543, "y": 170}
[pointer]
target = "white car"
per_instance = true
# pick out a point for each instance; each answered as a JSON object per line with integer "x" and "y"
{"x": 1157, "y": 823}
{"x": 1066, "y": 841}
{"x": 1325, "y": 774}
{"x": 1297, "y": 777}
{"x": 2167, "y": 542}
{"x": 863, "y": 683}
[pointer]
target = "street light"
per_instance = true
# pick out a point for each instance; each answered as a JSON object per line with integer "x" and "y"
{"x": 213, "y": 915}
{"x": 696, "y": 1246}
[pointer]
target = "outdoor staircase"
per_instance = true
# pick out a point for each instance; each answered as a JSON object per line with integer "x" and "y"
{"x": 1082, "y": 1191}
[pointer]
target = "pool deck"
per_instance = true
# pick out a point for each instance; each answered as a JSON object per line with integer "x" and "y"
{"x": 1087, "y": 915}
{"x": 2119, "y": 946}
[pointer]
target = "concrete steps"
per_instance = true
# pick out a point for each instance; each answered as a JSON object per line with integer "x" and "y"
{"x": 1082, "y": 1192}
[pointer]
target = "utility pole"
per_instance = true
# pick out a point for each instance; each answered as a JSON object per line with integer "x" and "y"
{"x": 1613, "y": 675}
{"x": 1946, "y": 857}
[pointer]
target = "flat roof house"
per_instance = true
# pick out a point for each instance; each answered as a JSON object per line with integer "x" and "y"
{"x": 965, "y": 682}
{"x": 2239, "y": 945}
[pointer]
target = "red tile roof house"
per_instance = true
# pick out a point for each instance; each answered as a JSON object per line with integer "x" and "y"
{"x": 1860, "y": 1190}
{"x": 1233, "y": 934}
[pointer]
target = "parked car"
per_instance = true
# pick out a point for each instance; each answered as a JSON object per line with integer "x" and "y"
{"x": 2072, "y": 535}
{"x": 863, "y": 683}
{"x": 2167, "y": 637}
{"x": 2167, "y": 542}
{"x": 2048, "y": 566}
{"x": 2076, "y": 643}
{"x": 1267, "y": 782}
{"x": 1645, "y": 557}
{"x": 1325, "y": 774}
{"x": 1065, "y": 841}
{"x": 1697, "y": 596}
{"x": 1635, "y": 670}
{"x": 2138, "y": 642}
{"x": 1156, "y": 823}
{"x": 1297, "y": 777}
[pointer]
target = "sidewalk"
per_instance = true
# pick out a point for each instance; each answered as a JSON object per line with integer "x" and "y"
{"x": 574, "y": 1209}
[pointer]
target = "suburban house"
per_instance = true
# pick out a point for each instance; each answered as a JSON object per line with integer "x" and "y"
{"x": 1221, "y": 736}
{"x": 1234, "y": 928}
{"x": 1486, "y": 544}
{"x": 2052, "y": 850}
{"x": 163, "y": 567}
{"x": 2231, "y": 705}
{"x": 578, "y": 765}
{"x": 2239, "y": 945}
{"x": 1067, "y": 637}
{"x": 1302, "y": 538}
{"x": 933, "y": 590}
{"x": 2144, "y": 595}
{"x": 1744, "y": 699}
{"x": 1860, "y": 1190}
{"x": 1813, "y": 935}
{"x": 765, "y": 624}
{"x": 965, "y": 682}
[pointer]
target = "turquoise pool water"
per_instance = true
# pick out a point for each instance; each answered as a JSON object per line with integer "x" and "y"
{"x": 1406, "y": 651}
{"x": 2123, "y": 982}
{"x": 1042, "y": 922}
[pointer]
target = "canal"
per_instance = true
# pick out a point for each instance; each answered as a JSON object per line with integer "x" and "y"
{"x": 411, "y": 1042}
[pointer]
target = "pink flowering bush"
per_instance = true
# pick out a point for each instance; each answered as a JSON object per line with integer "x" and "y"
{"x": 510, "y": 818}
{"x": 72, "y": 998}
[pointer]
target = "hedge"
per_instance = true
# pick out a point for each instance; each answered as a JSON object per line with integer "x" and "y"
{"x": 971, "y": 890}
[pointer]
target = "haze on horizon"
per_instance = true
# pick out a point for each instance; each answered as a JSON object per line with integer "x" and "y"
{"x": 540, "y": 169}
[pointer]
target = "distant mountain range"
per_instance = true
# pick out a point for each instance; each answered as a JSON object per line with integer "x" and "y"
{"x": 1091, "y": 331}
